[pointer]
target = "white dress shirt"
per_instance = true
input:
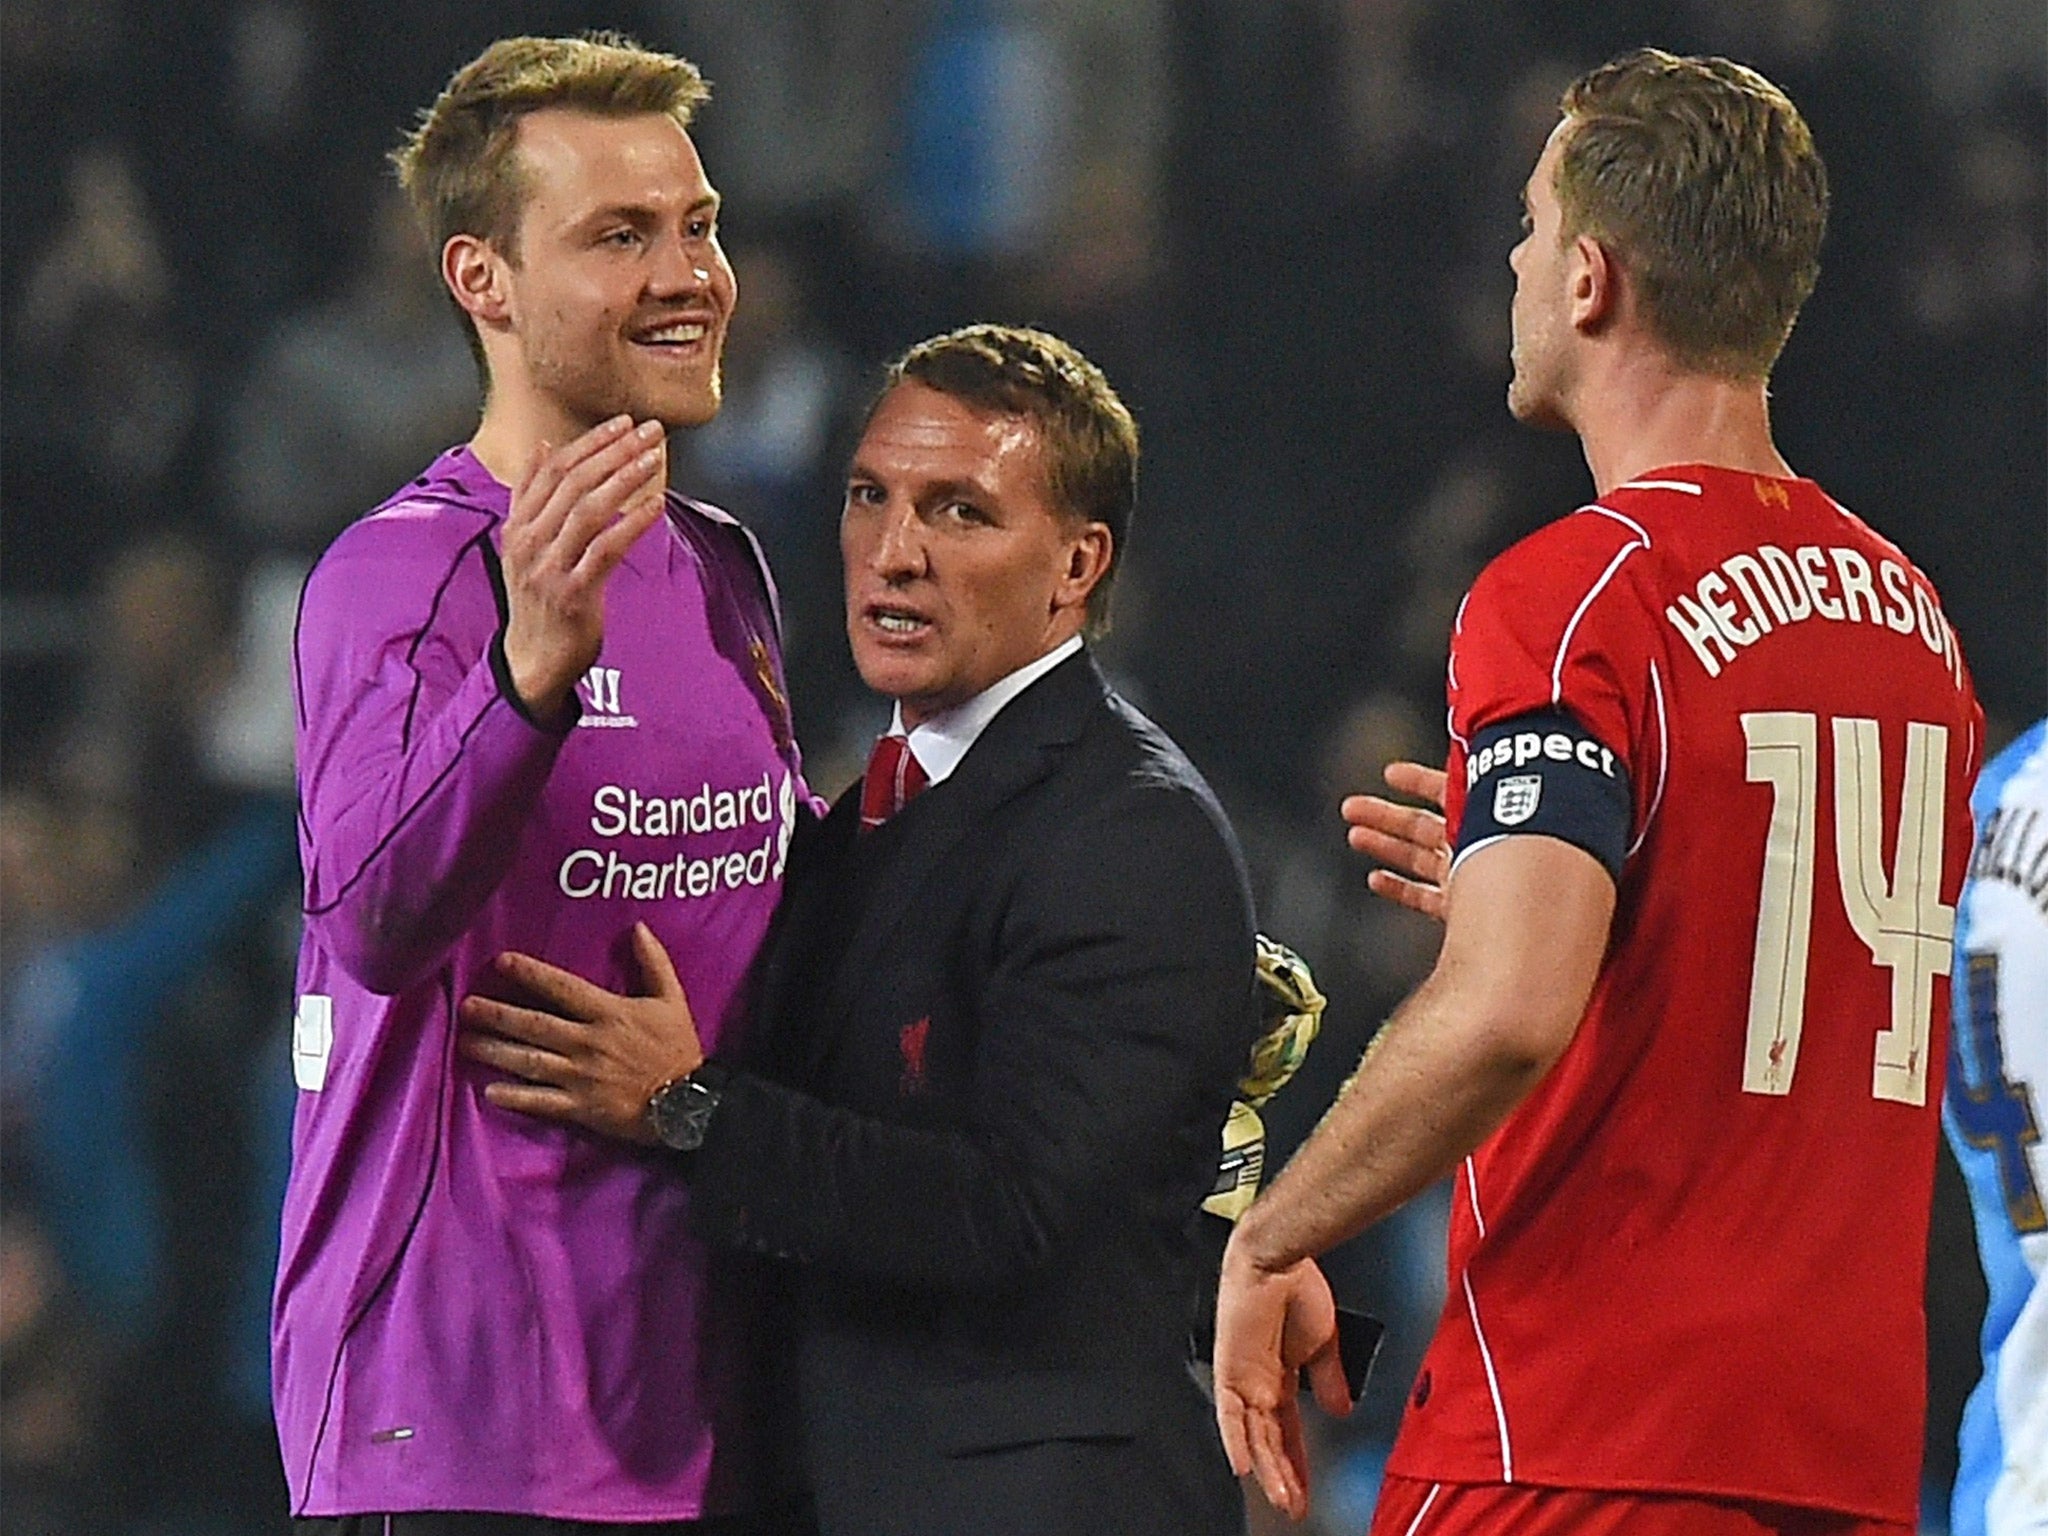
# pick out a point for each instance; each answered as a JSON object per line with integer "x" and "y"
{"x": 940, "y": 743}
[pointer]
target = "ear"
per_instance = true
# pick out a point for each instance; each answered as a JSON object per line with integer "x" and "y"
{"x": 1088, "y": 556}
{"x": 479, "y": 278}
{"x": 1592, "y": 285}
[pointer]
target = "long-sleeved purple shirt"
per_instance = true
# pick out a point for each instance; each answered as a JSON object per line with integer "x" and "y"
{"x": 477, "y": 1311}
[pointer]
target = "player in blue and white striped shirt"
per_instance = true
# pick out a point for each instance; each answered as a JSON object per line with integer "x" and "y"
{"x": 1996, "y": 1116}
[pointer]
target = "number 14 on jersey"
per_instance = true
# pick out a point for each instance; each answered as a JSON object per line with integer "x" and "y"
{"x": 1899, "y": 915}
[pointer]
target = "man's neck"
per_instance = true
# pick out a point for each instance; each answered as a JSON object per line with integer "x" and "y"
{"x": 941, "y": 740}
{"x": 1641, "y": 413}
{"x": 514, "y": 426}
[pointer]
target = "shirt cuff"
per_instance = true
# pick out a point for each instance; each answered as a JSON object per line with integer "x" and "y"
{"x": 501, "y": 671}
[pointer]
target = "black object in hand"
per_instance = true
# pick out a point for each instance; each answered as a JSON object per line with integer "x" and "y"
{"x": 1358, "y": 1343}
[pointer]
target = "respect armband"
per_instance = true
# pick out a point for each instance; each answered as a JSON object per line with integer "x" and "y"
{"x": 1546, "y": 774}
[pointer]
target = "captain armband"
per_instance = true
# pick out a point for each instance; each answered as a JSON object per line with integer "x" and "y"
{"x": 1544, "y": 773}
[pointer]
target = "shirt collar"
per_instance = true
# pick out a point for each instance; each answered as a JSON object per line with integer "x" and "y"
{"x": 940, "y": 743}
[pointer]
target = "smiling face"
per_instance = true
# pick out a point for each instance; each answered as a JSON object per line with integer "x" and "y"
{"x": 1538, "y": 392}
{"x": 959, "y": 567}
{"x": 620, "y": 296}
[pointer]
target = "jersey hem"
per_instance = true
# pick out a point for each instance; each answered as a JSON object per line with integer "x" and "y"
{"x": 1908, "y": 1514}
{"x": 650, "y": 1514}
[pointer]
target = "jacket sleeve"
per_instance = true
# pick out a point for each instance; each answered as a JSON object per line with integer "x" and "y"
{"x": 415, "y": 768}
{"x": 1115, "y": 1023}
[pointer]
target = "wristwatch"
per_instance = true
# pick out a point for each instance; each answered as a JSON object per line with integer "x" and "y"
{"x": 679, "y": 1111}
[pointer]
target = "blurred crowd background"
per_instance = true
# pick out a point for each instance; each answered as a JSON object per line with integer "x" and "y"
{"x": 1280, "y": 225}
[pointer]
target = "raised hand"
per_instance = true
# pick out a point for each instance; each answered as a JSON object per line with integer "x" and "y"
{"x": 1409, "y": 838}
{"x": 591, "y": 1058}
{"x": 575, "y": 513}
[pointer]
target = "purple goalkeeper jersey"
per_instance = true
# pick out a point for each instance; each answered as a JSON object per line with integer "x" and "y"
{"x": 478, "y": 1311}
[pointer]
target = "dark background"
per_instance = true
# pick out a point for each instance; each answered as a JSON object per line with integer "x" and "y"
{"x": 1282, "y": 228}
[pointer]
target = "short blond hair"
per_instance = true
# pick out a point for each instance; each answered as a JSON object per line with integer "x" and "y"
{"x": 1704, "y": 179}
{"x": 457, "y": 166}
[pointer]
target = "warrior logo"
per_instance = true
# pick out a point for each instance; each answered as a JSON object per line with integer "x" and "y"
{"x": 1515, "y": 800}
{"x": 600, "y": 687}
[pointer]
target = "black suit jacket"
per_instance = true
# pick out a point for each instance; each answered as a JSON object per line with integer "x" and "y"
{"x": 994, "y": 1044}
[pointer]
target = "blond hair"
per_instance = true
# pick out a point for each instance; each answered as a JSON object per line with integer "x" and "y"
{"x": 457, "y": 166}
{"x": 1703, "y": 178}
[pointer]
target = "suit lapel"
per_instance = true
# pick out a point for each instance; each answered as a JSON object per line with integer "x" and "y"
{"x": 1020, "y": 747}
{"x": 787, "y": 996}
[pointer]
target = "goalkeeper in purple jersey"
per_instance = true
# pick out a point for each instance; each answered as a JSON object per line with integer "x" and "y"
{"x": 539, "y": 699}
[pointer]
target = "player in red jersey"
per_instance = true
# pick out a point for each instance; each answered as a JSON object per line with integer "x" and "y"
{"x": 1712, "y": 742}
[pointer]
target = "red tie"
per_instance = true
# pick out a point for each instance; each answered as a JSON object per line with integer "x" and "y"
{"x": 893, "y": 779}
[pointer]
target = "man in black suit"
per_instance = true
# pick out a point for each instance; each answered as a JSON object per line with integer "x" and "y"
{"x": 998, "y": 1021}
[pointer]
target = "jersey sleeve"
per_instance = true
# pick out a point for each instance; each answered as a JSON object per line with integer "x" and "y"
{"x": 415, "y": 768}
{"x": 1549, "y": 685}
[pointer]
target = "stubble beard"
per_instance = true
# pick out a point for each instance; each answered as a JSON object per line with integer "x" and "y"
{"x": 597, "y": 386}
{"x": 1523, "y": 404}
{"x": 1534, "y": 405}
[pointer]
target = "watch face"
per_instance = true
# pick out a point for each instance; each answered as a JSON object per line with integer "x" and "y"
{"x": 680, "y": 1113}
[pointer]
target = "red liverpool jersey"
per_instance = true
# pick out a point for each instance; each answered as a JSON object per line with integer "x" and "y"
{"x": 1693, "y": 1259}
